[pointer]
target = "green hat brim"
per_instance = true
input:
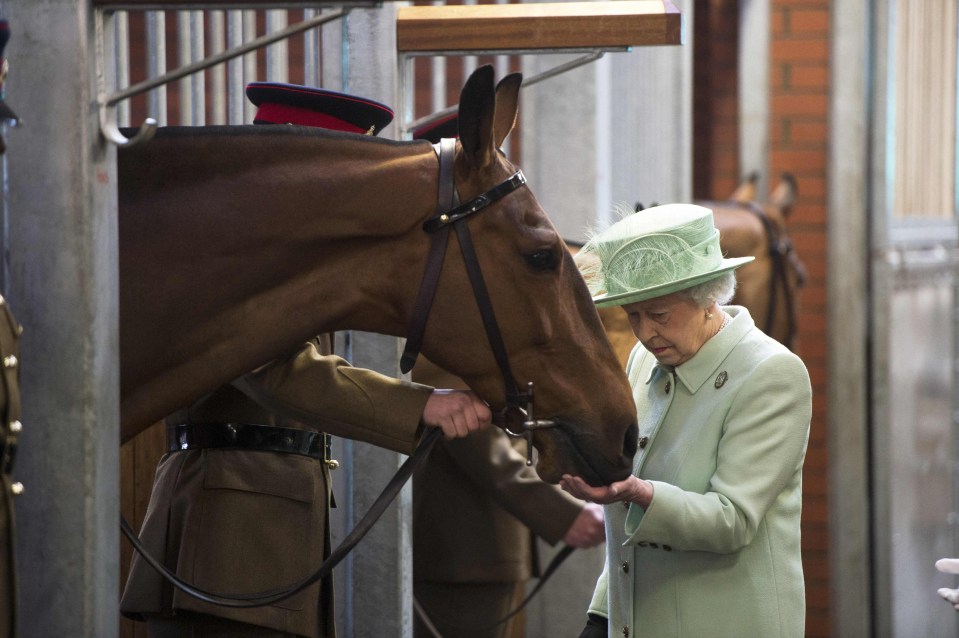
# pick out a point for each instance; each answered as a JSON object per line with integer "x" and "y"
{"x": 632, "y": 296}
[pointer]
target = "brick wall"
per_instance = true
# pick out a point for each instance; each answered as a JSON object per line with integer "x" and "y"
{"x": 799, "y": 105}
{"x": 799, "y": 86}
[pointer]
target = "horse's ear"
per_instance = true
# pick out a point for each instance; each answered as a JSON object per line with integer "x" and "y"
{"x": 746, "y": 189}
{"x": 784, "y": 195}
{"x": 476, "y": 112}
{"x": 507, "y": 106}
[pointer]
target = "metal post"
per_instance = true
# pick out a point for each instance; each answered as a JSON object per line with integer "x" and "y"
{"x": 754, "y": 119}
{"x": 359, "y": 57}
{"x": 63, "y": 288}
{"x": 848, "y": 314}
{"x": 652, "y": 113}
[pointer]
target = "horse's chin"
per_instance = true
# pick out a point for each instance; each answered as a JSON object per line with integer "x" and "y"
{"x": 559, "y": 454}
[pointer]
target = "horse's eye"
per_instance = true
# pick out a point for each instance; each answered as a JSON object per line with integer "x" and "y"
{"x": 542, "y": 260}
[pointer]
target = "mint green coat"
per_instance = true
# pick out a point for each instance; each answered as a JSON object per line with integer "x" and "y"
{"x": 722, "y": 438}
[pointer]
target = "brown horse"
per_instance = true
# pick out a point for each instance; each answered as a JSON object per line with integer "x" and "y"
{"x": 769, "y": 286}
{"x": 239, "y": 243}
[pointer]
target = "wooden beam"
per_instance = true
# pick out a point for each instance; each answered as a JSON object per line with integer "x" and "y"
{"x": 522, "y": 27}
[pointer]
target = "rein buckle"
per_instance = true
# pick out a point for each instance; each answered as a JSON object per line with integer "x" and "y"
{"x": 527, "y": 422}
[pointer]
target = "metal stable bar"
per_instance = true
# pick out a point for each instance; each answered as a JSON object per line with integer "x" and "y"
{"x": 218, "y": 75}
{"x": 146, "y": 85}
{"x": 533, "y": 79}
{"x": 156, "y": 63}
{"x": 311, "y": 57}
{"x": 277, "y": 55}
{"x": 235, "y": 83}
{"x": 121, "y": 27}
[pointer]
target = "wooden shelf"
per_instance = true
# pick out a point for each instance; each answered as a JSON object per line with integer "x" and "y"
{"x": 608, "y": 24}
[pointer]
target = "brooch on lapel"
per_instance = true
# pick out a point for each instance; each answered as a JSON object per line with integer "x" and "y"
{"x": 721, "y": 379}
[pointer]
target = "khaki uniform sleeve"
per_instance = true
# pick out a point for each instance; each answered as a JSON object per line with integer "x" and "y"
{"x": 498, "y": 469}
{"x": 326, "y": 392}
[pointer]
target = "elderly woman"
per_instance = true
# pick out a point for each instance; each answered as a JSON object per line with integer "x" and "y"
{"x": 703, "y": 538}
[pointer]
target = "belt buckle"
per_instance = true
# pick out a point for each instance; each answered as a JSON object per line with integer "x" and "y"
{"x": 328, "y": 459}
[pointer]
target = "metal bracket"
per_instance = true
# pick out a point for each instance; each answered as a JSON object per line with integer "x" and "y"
{"x": 592, "y": 56}
{"x": 107, "y": 102}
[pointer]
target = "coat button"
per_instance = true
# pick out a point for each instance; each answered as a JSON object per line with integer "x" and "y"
{"x": 625, "y": 632}
{"x": 643, "y": 442}
{"x": 667, "y": 548}
{"x": 654, "y": 545}
{"x": 642, "y": 543}
{"x": 669, "y": 385}
{"x": 625, "y": 566}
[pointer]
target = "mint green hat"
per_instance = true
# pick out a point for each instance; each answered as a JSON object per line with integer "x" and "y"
{"x": 653, "y": 253}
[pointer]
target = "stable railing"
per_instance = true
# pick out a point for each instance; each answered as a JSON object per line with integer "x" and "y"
{"x": 228, "y": 43}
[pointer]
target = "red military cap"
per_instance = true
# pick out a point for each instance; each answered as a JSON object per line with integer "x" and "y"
{"x": 279, "y": 103}
{"x": 438, "y": 129}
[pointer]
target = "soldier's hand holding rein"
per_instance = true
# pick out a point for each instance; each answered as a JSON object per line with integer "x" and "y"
{"x": 456, "y": 412}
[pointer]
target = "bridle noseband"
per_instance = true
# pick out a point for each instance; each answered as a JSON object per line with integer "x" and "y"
{"x": 516, "y": 418}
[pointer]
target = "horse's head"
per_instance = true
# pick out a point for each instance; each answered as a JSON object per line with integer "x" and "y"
{"x": 549, "y": 325}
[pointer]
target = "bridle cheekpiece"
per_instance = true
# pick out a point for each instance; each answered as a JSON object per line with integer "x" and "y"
{"x": 516, "y": 418}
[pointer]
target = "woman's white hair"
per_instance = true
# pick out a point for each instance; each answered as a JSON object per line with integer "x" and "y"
{"x": 719, "y": 290}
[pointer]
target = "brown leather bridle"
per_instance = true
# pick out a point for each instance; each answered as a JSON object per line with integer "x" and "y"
{"x": 781, "y": 255}
{"x": 516, "y": 418}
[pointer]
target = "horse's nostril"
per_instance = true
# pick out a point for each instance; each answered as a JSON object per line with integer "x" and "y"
{"x": 629, "y": 443}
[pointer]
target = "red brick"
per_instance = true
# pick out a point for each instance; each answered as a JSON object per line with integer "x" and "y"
{"x": 814, "y": 462}
{"x": 799, "y": 50}
{"x": 817, "y": 626}
{"x": 800, "y": 103}
{"x": 806, "y": 76}
{"x": 815, "y": 535}
{"x": 808, "y": 131}
{"x": 806, "y": 185}
{"x": 800, "y": 161}
{"x": 791, "y": 5}
{"x": 815, "y": 483}
{"x": 807, "y": 21}
{"x": 722, "y": 187}
{"x": 815, "y": 566}
{"x": 817, "y": 596}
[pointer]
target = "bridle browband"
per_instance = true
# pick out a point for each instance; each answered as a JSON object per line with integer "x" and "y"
{"x": 451, "y": 214}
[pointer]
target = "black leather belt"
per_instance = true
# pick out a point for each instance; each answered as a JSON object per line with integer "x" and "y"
{"x": 249, "y": 436}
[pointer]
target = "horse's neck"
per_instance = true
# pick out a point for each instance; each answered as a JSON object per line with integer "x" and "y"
{"x": 256, "y": 243}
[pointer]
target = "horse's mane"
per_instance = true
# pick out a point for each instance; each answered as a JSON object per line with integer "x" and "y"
{"x": 271, "y": 130}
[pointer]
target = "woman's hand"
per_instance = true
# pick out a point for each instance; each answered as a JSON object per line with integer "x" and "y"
{"x": 629, "y": 490}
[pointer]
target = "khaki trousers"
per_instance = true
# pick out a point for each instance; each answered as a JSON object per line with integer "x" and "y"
{"x": 465, "y": 610}
{"x": 191, "y": 625}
